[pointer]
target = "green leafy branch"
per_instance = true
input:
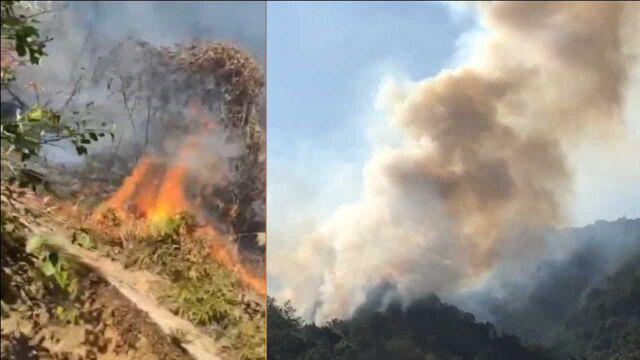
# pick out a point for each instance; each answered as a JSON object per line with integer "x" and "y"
{"x": 52, "y": 265}
{"x": 21, "y": 33}
{"x": 23, "y": 137}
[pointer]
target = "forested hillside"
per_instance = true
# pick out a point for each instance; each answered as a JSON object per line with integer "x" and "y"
{"x": 583, "y": 305}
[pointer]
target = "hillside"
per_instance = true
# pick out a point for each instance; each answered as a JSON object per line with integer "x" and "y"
{"x": 607, "y": 324}
{"x": 581, "y": 304}
{"x": 427, "y": 329}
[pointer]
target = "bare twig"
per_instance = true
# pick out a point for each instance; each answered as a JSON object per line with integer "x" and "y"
{"x": 73, "y": 92}
{"x": 38, "y": 14}
{"x": 125, "y": 98}
{"x": 35, "y": 90}
{"x": 16, "y": 98}
{"x": 85, "y": 44}
{"x": 46, "y": 104}
{"x": 146, "y": 131}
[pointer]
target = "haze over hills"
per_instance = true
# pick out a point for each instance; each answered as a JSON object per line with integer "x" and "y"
{"x": 581, "y": 304}
{"x": 536, "y": 304}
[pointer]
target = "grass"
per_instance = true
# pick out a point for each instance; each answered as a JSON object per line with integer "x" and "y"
{"x": 44, "y": 291}
{"x": 203, "y": 292}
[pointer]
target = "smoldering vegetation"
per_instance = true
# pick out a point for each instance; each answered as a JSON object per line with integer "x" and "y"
{"x": 156, "y": 75}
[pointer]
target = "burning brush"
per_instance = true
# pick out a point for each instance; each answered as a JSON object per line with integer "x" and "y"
{"x": 220, "y": 190}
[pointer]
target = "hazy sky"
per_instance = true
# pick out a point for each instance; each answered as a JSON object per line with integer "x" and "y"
{"x": 169, "y": 22}
{"x": 325, "y": 64}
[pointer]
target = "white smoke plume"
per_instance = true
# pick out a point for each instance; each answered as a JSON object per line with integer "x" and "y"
{"x": 488, "y": 150}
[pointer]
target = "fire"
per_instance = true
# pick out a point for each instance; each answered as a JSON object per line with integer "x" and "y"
{"x": 155, "y": 191}
{"x": 229, "y": 258}
{"x": 171, "y": 198}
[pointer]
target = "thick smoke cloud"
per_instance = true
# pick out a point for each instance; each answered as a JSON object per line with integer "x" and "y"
{"x": 486, "y": 154}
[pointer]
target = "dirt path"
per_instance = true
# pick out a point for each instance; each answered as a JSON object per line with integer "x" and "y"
{"x": 138, "y": 287}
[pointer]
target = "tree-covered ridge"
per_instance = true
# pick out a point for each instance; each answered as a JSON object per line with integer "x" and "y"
{"x": 582, "y": 305}
{"x": 607, "y": 324}
{"x": 538, "y": 306}
{"x": 426, "y": 329}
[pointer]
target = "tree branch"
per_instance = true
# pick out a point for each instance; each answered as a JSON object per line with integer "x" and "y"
{"x": 16, "y": 98}
{"x": 73, "y": 92}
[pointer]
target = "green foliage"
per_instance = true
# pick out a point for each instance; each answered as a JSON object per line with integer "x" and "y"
{"x": 82, "y": 238}
{"x": 23, "y": 137}
{"x": 58, "y": 268}
{"x": 192, "y": 297}
{"x": 285, "y": 338}
{"x": 40, "y": 126}
{"x": 54, "y": 266}
{"x": 426, "y": 329}
{"x": 183, "y": 223}
{"x": 605, "y": 326}
{"x": 7, "y": 76}
{"x": 21, "y": 32}
{"x": 31, "y": 271}
{"x": 204, "y": 303}
{"x": 69, "y": 315}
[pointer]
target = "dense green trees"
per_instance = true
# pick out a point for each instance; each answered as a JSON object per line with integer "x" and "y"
{"x": 427, "y": 329}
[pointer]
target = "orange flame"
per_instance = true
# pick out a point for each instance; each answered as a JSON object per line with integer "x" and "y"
{"x": 228, "y": 257}
{"x": 137, "y": 190}
{"x": 155, "y": 191}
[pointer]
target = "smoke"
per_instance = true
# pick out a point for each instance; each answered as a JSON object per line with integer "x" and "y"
{"x": 533, "y": 300}
{"x": 94, "y": 55}
{"x": 488, "y": 151}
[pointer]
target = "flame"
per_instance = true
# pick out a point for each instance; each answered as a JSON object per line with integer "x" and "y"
{"x": 137, "y": 190}
{"x": 229, "y": 258}
{"x": 155, "y": 191}
{"x": 170, "y": 199}
{"x": 155, "y": 188}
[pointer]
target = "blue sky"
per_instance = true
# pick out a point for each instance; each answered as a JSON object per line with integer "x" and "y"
{"x": 324, "y": 60}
